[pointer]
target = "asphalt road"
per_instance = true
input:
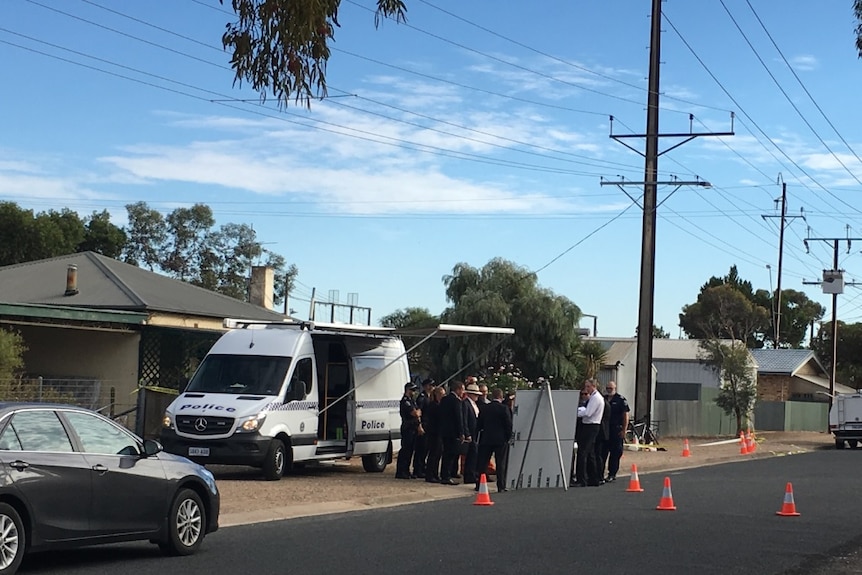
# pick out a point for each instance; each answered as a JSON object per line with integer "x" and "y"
{"x": 725, "y": 523}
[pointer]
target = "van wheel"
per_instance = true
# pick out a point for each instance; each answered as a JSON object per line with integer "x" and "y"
{"x": 275, "y": 462}
{"x": 852, "y": 443}
{"x": 186, "y": 524}
{"x": 839, "y": 443}
{"x": 12, "y": 539}
{"x": 377, "y": 462}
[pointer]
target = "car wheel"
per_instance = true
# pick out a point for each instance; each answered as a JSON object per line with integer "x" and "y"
{"x": 12, "y": 539}
{"x": 186, "y": 524}
{"x": 376, "y": 462}
{"x": 275, "y": 462}
{"x": 839, "y": 444}
{"x": 852, "y": 443}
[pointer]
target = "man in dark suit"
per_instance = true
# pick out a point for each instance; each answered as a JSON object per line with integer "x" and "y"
{"x": 451, "y": 430}
{"x": 494, "y": 428}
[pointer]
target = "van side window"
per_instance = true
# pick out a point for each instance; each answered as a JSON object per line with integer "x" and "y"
{"x": 300, "y": 381}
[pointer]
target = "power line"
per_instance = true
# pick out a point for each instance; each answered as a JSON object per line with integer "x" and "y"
{"x": 798, "y": 79}
{"x": 583, "y": 239}
{"x": 457, "y": 153}
{"x": 358, "y": 133}
{"x": 512, "y": 64}
{"x": 784, "y": 92}
{"x": 742, "y": 110}
{"x": 563, "y": 61}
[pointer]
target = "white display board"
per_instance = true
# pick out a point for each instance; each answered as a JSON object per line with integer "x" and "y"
{"x": 544, "y": 428}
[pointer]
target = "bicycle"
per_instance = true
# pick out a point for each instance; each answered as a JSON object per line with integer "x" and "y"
{"x": 641, "y": 432}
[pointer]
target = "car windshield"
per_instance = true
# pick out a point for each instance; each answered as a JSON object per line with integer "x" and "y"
{"x": 240, "y": 374}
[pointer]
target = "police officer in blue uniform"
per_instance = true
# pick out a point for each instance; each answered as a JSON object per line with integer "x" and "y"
{"x": 410, "y": 415}
{"x": 619, "y": 422}
{"x": 420, "y": 451}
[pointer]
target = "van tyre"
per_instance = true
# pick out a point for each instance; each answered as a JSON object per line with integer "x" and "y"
{"x": 186, "y": 524}
{"x": 377, "y": 462}
{"x": 276, "y": 461}
{"x": 839, "y": 444}
{"x": 12, "y": 539}
{"x": 852, "y": 443}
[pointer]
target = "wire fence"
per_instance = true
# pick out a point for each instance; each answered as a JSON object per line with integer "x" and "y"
{"x": 80, "y": 391}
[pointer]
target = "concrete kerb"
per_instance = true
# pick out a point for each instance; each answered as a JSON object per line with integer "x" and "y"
{"x": 330, "y": 507}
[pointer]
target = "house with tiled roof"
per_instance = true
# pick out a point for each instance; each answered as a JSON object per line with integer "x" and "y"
{"x": 792, "y": 375}
{"x": 97, "y": 330}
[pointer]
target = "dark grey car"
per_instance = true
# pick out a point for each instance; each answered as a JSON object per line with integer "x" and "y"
{"x": 70, "y": 477}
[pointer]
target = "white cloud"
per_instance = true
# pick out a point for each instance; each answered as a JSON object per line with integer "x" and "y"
{"x": 804, "y": 62}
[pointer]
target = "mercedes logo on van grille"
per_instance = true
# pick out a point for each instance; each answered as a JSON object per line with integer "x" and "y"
{"x": 201, "y": 424}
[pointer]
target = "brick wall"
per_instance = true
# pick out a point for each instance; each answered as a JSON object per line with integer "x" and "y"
{"x": 773, "y": 388}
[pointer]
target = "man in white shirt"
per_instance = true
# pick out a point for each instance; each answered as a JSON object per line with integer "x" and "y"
{"x": 591, "y": 419}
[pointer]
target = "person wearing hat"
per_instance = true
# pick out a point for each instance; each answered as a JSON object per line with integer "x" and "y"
{"x": 410, "y": 415}
{"x": 471, "y": 417}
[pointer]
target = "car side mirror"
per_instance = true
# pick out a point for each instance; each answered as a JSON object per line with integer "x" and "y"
{"x": 152, "y": 447}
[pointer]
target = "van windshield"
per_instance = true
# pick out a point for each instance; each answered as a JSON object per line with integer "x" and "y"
{"x": 240, "y": 374}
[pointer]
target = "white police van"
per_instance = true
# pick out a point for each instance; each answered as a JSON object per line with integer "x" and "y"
{"x": 845, "y": 419}
{"x": 271, "y": 394}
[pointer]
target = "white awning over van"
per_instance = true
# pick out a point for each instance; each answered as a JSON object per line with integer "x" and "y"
{"x": 453, "y": 330}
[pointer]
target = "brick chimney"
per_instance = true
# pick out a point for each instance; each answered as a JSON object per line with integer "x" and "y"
{"x": 71, "y": 280}
{"x": 261, "y": 288}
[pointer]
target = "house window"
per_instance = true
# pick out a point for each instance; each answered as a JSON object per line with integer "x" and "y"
{"x": 677, "y": 391}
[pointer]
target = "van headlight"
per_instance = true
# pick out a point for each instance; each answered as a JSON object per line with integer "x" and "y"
{"x": 251, "y": 424}
{"x": 167, "y": 422}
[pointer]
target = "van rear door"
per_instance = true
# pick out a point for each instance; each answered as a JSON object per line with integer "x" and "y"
{"x": 379, "y": 375}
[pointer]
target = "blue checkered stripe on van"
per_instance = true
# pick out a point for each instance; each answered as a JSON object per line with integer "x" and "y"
{"x": 379, "y": 404}
{"x": 292, "y": 406}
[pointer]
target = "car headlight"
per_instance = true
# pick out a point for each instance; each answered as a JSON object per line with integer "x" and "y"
{"x": 251, "y": 424}
{"x": 167, "y": 422}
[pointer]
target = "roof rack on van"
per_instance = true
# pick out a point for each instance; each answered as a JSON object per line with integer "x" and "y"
{"x": 231, "y": 323}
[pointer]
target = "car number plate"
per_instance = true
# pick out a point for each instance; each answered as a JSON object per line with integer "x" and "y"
{"x": 854, "y": 425}
{"x": 199, "y": 451}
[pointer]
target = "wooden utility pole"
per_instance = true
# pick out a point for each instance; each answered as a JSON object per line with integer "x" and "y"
{"x": 833, "y": 283}
{"x": 643, "y": 369}
{"x": 776, "y": 315}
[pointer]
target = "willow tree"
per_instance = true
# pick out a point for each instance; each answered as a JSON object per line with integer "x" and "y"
{"x": 424, "y": 360}
{"x": 501, "y": 293}
{"x": 281, "y": 47}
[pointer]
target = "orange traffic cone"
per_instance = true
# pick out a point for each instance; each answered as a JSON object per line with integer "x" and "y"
{"x": 483, "y": 497}
{"x": 666, "y": 502}
{"x": 752, "y": 444}
{"x": 788, "y": 509}
{"x": 634, "y": 481}
{"x": 743, "y": 444}
{"x": 686, "y": 452}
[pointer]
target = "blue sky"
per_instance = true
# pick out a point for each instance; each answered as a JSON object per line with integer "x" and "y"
{"x": 478, "y": 130}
